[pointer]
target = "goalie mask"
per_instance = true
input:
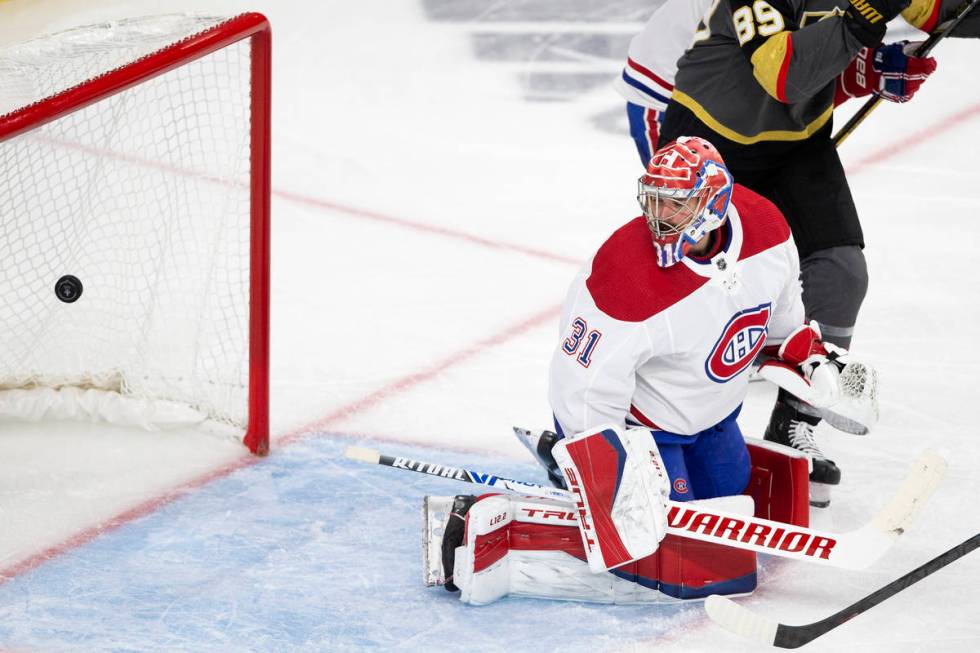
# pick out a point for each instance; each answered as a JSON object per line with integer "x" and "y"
{"x": 684, "y": 194}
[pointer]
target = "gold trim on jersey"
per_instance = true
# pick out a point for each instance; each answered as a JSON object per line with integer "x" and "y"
{"x": 771, "y": 135}
{"x": 768, "y": 61}
{"x": 919, "y": 12}
{"x": 810, "y": 17}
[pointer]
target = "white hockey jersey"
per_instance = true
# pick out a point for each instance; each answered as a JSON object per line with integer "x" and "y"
{"x": 669, "y": 348}
{"x": 648, "y": 77}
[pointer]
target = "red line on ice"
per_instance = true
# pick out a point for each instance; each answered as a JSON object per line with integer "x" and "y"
{"x": 423, "y": 227}
{"x": 915, "y": 138}
{"x": 407, "y": 382}
{"x": 367, "y": 402}
{"x": 141, "y": 510}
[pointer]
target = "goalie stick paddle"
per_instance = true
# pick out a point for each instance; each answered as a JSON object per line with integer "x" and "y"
{"x": 856, "y": 549}
{"x": 938, "y": 34}
{"x": 748, "y": 624}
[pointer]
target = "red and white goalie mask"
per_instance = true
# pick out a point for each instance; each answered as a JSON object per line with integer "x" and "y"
{"x": 684, "y": 194}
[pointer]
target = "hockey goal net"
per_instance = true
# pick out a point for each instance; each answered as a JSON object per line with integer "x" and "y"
{"x": 134, "y": 199}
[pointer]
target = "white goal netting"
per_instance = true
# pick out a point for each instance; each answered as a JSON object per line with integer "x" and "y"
{"x": 144, "y": 198}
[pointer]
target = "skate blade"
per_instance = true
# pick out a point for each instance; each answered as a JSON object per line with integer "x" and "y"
{"x": 819, "y": 495}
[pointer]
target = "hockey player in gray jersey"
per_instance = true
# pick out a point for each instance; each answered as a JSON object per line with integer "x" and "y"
{"x": 760, "y": 81}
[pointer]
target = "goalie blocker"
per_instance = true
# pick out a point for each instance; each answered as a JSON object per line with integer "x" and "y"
{"x": 498, "y": 545}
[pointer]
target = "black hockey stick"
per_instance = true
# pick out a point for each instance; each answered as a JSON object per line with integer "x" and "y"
{"x": 746, "y": 623}
{"x": 856, "y": 549}
{"x": 941, "y": 32}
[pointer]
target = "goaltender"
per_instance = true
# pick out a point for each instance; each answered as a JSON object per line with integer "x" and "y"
{"x": 658, "y": 332}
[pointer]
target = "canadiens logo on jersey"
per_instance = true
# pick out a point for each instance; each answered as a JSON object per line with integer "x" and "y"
{"x": 740, "y": 342}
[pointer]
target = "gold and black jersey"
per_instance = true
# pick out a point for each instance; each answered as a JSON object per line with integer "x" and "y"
{"x": 763, "y": 70}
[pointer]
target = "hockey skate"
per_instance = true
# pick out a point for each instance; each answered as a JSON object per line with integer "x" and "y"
{"x": 540, "y": 443}
{"x": 791, "y": 427}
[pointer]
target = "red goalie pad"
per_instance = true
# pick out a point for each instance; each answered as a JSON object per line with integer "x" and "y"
{"x": 780, "y": 482}
{"x": 532, "y": 547}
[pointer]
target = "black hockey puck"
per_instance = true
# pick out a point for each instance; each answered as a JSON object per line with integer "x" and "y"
{"x": 68, "y": 289}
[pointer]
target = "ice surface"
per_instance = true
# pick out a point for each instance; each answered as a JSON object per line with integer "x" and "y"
{"x": 307, "y": 551}
{"x": 440, "y": 172}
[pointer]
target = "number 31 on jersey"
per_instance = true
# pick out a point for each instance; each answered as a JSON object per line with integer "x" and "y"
{"x": 582, "y": 342}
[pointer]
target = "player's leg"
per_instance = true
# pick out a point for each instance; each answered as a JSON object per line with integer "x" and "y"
{"x": 672, "y": 452}
{"x": 540, "y": 444}
{"x": 824, "y": 273}
{"x": 690, "y": 569}
{"x": 532, "y": 547}
{"x": 731, "y": 462}
{"x": 792, "y": 424}
{"x": 718, "y": 461}
{"x": 645, "y": 129}
{"x": 779, "y": 484}
{"x": 529, "y": 547}
{"x": 811, "y": 190}
{"x": 713, "y": 465}
{"x": 520, "y": 546}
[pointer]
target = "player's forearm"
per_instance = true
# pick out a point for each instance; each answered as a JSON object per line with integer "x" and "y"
{"x": 927, "y": 14}
{"x": 793, "y": 66}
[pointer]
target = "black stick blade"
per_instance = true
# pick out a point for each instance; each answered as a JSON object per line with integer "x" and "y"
{"x": 744, "y": 622}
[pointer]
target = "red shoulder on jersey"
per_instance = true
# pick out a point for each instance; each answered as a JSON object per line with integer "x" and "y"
{"x": 763, "y": 225}
{"x": 627, "y": 284}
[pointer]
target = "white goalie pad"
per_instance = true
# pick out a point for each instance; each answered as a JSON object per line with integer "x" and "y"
{"x": 543, "y": 558}
{"x": 487, "y": 569}
{"x": 621, "y": 491}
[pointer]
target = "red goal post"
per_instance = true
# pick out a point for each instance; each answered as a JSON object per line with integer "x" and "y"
{"x": 84, "y": 183}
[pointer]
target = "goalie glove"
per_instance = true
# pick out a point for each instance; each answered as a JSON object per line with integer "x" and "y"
{"x": 844, "y": 390}
{"x": 621, "y": 490}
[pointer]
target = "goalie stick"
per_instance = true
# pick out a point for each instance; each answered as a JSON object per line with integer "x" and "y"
{"x": 937, "y": 35}
{"x": 855, "y": 549}
{"x": 742, "y": 621}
